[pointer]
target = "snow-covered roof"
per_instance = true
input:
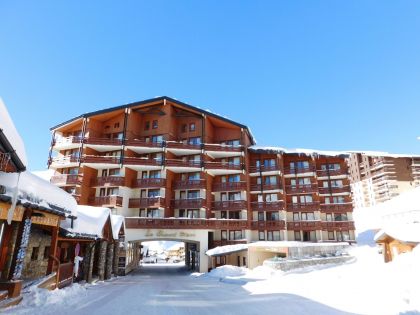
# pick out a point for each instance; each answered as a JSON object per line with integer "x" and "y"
{"x": 37, "y": 193}
{"x": 117, "y": 221}
{"x": 279, "y": 150}
{"x": 90, "y": 221}
{"x": 409, "y": 232}
{"x": 45, "y": 175}
{"x": 384, "y": 154}
{"x": 176, "y": 246}
{"x": 12, "y": 137}
{"x": 226, "y": 249}
{"x": 277, "y": 244}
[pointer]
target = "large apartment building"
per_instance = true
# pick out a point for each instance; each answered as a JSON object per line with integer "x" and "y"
{"x": 170, "y": 168}
{"x": 379, "y": 176}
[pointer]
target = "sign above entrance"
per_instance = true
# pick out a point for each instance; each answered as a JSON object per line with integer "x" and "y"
{"x": 174, "y": 234}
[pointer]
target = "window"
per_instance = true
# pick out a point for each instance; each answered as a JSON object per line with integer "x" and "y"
{"x": 193, "y": 194}
{"x": 192, "y": 126}
{"x": 234, "y": 215}
{"x": 184, "y": 128}
{"x": 269, "y": 163}
{"x": 260, "y": 216}
{"x": 154, "y": 174}
{"x": 114, "y": 172}
{"x": 299, "y": 165}
{"x": 117, "y": 125}
{"x": 296, "y": 216}
{"x": 182, "y": 213}
{"x": 329, "y": 217}
{"x": 156, "y": 139}
{"x": 231, "y": 142}
{"x": 271, "y": 197}
{"x": 35, "y": 252}
{"x": 154, "y": 124}
{"x": 337, "y": 183}
{"x": 340, "y": 217}
{"x": 224, "y": 235}
{"x": 308, "y": 216}
{"x": 147, "y": 125}
{"x": 235, "y": 235}
{"x": 234, "y": 178}
{"x": 261, "y": 235}
{"x": 194, "y": 140}
{"x": 153, "y": 193}
{"x": 331, "y": 167}
{"x": 273, "y": 216}
{"x": 305, "y": 199}
{"x": 235, "y": 196}
{"x": 46, "y": 252}
{"x": 335, "y": 199}
{"x": 113, "y": 191}
{"x": 193, "y": 214}
{"x": 331, "y": 235}
{"x": 297, "y": 236}
{"x": 270, "y": 180}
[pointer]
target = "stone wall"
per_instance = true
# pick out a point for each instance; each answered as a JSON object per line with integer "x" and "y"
{"x": 35, "y": 267}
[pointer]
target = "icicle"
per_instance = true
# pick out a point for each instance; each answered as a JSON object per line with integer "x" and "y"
{"x": 14, "y": 201}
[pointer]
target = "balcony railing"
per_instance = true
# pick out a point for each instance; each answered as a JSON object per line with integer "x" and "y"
{"x": 113, "y": 201}
{"x": 190, "y": 184}
{"x": 149, "y": 183}
{"x": 183, "y": 163}
{"x": 304, "y": 225}
{"x": 103, "y": 141}
{"x": 142, "y": 161}
{"x": 229, "y": 205}
{"x": 222, "y": 147}
{"x": 183, "y": 223}
{"x": 66, "y": 179}
{"x": 143, "y": 143}
{"x": 108, "y": 181}
{"x": 268, "y": 225}
{"x": 223, "y": 165}
{"x": 334, "y": 172}
{"x": 65, "y": 159}
{"x": 267, "y": 206}
{"x": 334, "y": 190}
{"x": 183, "y": 146}
{"x": 101, "y": 159}
{"x": 229, "y": 186}
{"x": 266, "y": 186}
{"x": 226, "y": 242}
{"x": 347, "y": 225}
{"x": 193, "y": 203}
{"x": 147, "y": 202}
{"x": 299, "y": 170}
{"x": 264, "y": 168}
{"x": 309, "y": 206}
{"x": 337, "y": 207}
{"x": 300, "y": 189}
{"x": 66, "y": 140}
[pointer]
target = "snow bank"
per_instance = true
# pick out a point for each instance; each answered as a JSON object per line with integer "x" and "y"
{"x": 9, "y": 130}
{"x": 32, "y": 189}
{"x": 228, "y": 271}
{"x": 406, "y": 232}
{"x": 45, "y": 175}
{"x": 90, "y": 220}
{"x": 220, "y": 250}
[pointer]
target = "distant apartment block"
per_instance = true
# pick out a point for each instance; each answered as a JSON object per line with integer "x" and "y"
{"x": 379, "y": 176}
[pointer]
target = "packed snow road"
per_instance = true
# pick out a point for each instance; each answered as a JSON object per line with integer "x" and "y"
{"x": 165, "y": 289}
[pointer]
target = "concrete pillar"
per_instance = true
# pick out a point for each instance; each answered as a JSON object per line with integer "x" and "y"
{"x": 116, "y": 257}
{"x": 109, "y": 260}
{"x": 88, "y": 263}
{"x": 102, "y": 260}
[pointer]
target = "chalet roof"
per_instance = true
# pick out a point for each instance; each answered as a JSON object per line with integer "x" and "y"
{"x": 156, "y": 99}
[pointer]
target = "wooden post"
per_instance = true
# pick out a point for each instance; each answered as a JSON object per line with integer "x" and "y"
{"x": 53, "y": 249}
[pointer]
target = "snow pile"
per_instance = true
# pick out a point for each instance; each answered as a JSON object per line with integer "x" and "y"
{"x": 406, "y": 232}
{"x": 45, "y": 175}
{"x": 90, "y": 220}
{"x": 34, "y": 190}
{"x": 9, "y": 130}
{"x": 117, "y": 221}
{"x": 220, "y": 250}
{"x": 228, "y": 271}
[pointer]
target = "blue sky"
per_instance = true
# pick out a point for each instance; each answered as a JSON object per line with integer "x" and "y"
{"x": 309, "y": 74}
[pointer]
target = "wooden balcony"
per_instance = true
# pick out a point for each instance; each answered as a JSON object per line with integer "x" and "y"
{"x": 302, "y": 170}
{"x": 338, "y": 225}
{"x": 301, "y": 189}
{"x": 223, "y": 166}
{"x": 268, "y": 225}
{"x": 304, "y": 225}
{"x": 266, "y": 186}
{"x": 337, "y": 208}
{"x": 147, "y": 202}
{"x": 264, "y": 168}
{"x": 143, "y": 143}
{"x": 183, "y": 146}
{"x": 108, "y": 181}
{"x": 329, "y": 173}
{"x": 142, "y": 161}
{"x": 149, "y": 183}
{"x": 310, "y": 206}
{"x": 183, "y": 163}
{"x": 63, "y": 160}
{"x": 267, "y": 206}
{"x": 189, "y": 203}
{"x": 190, "y": 184}
{"x": 100, "y": 159}
{"x": 229, "y": 186}
{"x": 67, "y": 140}
{"x": 334, "y": 190}
{"x": 222, "y": 148}
{"x": 102, "y": 141}
{"x": 229, "y": 205}
{"x": 112, "y": 201}
{"x": 66, "y": 179}
{"x": 184, "y": 223}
